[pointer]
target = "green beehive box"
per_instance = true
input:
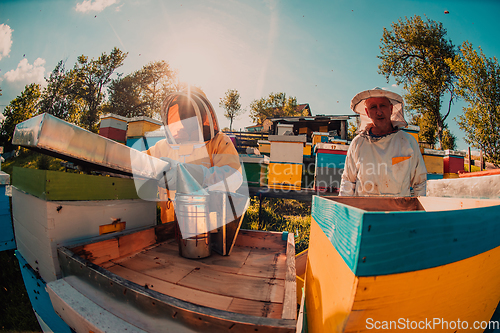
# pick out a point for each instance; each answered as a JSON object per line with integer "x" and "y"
{"x": 255, "y": 169}
{"x": 56, "y": 185}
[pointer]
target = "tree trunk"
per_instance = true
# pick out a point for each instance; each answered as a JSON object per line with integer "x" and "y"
{"x": 440, "y": 127}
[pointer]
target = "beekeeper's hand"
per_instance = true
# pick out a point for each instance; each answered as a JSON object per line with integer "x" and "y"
{"x": 167, "y": 178}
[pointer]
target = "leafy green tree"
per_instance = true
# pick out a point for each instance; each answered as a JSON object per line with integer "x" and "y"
{"x": 414, "y": 52}
{"x": 427, "y": 125}
{"x": 20, "y": 109}
{"x": 232, "y": 106}
{"x": 125, "y": 98}
{"x": 142, "y": 92}
{"x": 57, "y": 98}
{"x": 156, "y": 81}
{"x": 479, "y": 85}
{"x": 449, "y": 140}
{"x": 352, "y": 128}
{"x": 276, "y": 105}
{"x": 90, "y": 78}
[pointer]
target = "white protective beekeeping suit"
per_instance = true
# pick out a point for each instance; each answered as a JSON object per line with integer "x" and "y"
{"x": 389, "y": 165}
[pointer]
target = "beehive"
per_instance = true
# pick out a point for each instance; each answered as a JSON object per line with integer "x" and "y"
{"x": 255, "y": 167}
{"x": 307, "y": 149}
{"x": 434, "y": 161}
{"x": 453, "y": 161}
{"x": 264, "y": 147}
{"x": 285, "y": 168}
{"x": 412, "y": 130}
{"x": 329, "y": 166}
{"x": 139, "y": 126}
{"x": 113, "y": 127}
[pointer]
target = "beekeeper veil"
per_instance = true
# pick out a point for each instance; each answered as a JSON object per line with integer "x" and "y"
{"x": 358, "y": 106}
{"x": 188, "y": 117}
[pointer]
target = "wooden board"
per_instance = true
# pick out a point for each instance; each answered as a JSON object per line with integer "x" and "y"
{"x": 381, "y": 204}
{"x": 434, "y": 163}
{"x": 287, "y": 152}
{"x": 46, "y": 225}
{"x": 290, "y": 299}
{"x": 141, "y": 126}
{"x": 56, "y": 185}
{"x": 257, "y": 280}
{"x": 284, "y": 175}
{"x": 330, "y": 285}
{"x": 168, "y": 288}
{"x": 366, "y": 240}
{"x": 466, "y": 290}
{"x": 247, "y": 287}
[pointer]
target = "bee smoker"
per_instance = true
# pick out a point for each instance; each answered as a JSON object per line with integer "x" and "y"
{"x": 192, "y": 211}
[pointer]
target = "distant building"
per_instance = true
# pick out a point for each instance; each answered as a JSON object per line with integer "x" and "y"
{"x": 335, "y": 126}
{"x": 254, "y": 129}
{"x": 304, "y": 109}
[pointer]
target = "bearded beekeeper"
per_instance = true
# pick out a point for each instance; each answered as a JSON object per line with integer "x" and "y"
{"x": 193, "y": 138}
{"x": 382, "y": 159}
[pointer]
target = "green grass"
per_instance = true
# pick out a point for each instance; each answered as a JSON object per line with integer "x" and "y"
{"x": 473, "y": 169}
{"x": 281, "y": 215}
{"x": 29, "y": 159}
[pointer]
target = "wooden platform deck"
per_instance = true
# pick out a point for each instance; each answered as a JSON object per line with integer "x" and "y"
{"x": 249, "y": 281}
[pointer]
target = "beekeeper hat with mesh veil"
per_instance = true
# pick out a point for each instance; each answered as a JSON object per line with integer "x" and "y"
{"x": 358, "y": 106}
{"x": 188, "y": 117}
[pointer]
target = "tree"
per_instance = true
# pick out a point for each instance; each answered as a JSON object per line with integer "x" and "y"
{"x": 90, "y": 79}
{"x": 142, "y": 92}
{"x": 414, "y": 52}
{"x": 156, "y": 81}
{"x": 57, "y": 98}
{"x": 20, "y": 109}
{"x": 479, "y": 85}
{"x": 125, "y": 98}
{"x": 352, "y": 129}
{"x": 449, "y": 140}
{"x": 232, "y": 106}
{"x": 427, "y": 125}
{"x": 276, "y": 105}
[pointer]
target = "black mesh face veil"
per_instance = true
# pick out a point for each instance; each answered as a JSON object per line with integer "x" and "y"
{"x": 182, "y": 107}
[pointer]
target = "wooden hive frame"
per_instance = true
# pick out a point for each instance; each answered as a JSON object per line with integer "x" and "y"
{"x": 252, "y": 288}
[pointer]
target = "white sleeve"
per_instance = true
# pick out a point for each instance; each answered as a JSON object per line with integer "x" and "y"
{"x": 419, "y": 174}
{"x": 217, "y": 178}
{"x": 348, "y": 183}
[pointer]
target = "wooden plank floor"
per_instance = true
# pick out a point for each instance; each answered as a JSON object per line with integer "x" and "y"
{"x": 250, "y": 280}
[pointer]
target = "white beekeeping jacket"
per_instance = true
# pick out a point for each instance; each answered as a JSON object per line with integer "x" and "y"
{"x": 388, "y": 165}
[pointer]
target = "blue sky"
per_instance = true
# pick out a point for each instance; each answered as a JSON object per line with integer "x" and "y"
{"x": 322, "y": 52}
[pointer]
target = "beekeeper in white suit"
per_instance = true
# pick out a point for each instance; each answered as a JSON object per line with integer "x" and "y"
{"x": 193, "y": 138}
{"x": 382, "y": 159}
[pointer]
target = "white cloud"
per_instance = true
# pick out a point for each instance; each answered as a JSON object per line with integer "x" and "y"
{"x": 26, "y": 73}
{"x": 96, "y": 5}
{"x": 5, "y": 40}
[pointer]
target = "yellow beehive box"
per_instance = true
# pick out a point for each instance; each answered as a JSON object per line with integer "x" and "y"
{"x": 448, "y": 175}
{"x": 305, "y": 130}
{"x": 285, "y": 176}
{"x": 318, "y": 137}
{"x": 434, "y": 160}
{"x": 412, "y": 130}
{"x": 264, "y": 147}
{"x": 307, "y": 149}
{"x": 138, "y": 126}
